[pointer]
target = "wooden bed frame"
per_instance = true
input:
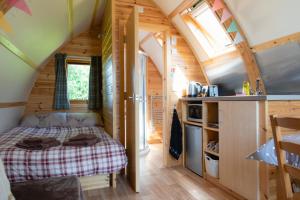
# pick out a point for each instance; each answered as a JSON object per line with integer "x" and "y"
{"x": 98, "y": 181}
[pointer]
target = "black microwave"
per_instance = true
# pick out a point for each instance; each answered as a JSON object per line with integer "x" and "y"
{"x": 194, "y": 112}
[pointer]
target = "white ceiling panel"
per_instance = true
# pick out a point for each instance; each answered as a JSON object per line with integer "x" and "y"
{"x": 142, "y": 35}
{"x": 16, "y": 77}
{"x": 266, "y": 20}
{"x": 43, "y": 32}
{"x": 83, "y": 14}
{"x": 155, "y": 52}
{"x": 168, "y": 6}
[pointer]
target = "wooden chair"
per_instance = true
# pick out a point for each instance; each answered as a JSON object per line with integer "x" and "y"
{"x": 286, "y": 171}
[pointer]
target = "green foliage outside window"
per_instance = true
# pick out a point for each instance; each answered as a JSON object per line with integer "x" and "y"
{"x": 78, "y": 81}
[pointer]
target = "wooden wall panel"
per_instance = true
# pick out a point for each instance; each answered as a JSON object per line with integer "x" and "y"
{"x": 42, "y": 94}
{"x": 154, "y": 112}
{"x": 107, "y": 70}
{"x": 182, "y": 57}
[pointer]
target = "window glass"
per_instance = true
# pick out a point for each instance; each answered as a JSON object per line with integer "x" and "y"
{"x": 78, "y": 81}
{"x": 212, "y": 36}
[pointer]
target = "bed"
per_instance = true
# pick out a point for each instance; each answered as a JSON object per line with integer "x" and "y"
{"x": 100, "y": 160}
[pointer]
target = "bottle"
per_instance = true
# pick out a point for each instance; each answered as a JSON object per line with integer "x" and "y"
{"x": 258, "y": 90}
{"x": 246, "y": 88}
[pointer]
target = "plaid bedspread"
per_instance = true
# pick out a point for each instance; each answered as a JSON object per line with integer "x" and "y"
{"x": 105, "y": 157}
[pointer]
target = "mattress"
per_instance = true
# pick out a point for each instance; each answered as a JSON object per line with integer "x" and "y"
{"x": 107, "y": 156}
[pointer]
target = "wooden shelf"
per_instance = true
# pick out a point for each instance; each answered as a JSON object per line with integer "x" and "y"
{"x": 211, "y": 152}
{"x": 193, "y": 123}
{"x": 212, "y": 129}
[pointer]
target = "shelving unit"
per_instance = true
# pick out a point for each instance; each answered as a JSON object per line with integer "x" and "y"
{"x": 210, "y": 116}
{"x": 210, "y": 131}
{"x": 193, "y": 123}
{"x": 211, "y": 152}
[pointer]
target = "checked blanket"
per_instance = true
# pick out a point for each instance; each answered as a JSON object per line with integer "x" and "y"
{"x": 105, "y": 157}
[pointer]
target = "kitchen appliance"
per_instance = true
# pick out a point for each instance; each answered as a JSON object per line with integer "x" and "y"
{"x": 194, "y": 89}
{"x": 193, "y": 146}
{"x": 194, "y": 111}
{"x": 213, "y": 91}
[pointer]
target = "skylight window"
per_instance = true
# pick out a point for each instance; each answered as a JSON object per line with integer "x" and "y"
{"x": 207, "y": 29}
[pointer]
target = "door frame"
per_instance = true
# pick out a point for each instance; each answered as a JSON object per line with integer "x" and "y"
{"x": 165, "y": 30}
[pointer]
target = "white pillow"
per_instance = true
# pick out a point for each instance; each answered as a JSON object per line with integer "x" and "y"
{"x": 5, "y": 192}
{"x": 83, "y": 119}
{"x": 44, "y": 120}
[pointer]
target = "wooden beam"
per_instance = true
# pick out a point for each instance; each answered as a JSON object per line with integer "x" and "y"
{"x": 276, "y": 42}
{"x": 94, "y": 13}
{"x": 153, "y": 27}
{"x": 12, "y": 104}
{"x": 70, "y": 17}
{"x": 4, "y": 6}
{"x": 188, "y": 42}
{"x": 181, "y": 7}
{"x": 244, "y": 49}
{"x": 226, "y": 56}
{"x": 13, "y": 49}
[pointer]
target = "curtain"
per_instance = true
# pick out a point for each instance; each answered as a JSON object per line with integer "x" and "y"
{"x": 95, "y": 84}
{"x": 61, "y": 100}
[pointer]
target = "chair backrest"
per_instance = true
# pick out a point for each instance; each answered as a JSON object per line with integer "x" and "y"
{"x": 285, "y": 170}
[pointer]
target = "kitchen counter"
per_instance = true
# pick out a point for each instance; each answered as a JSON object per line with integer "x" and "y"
{"x": 245, "y": 98}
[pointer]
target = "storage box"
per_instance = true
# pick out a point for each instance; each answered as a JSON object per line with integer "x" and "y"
{"x": 212, "y": 166}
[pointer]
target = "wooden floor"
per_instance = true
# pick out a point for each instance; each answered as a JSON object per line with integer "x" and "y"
{"x": 158, "y": 182}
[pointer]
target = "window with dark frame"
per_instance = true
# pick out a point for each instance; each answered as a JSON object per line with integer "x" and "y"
{"x": 78, "y": 73}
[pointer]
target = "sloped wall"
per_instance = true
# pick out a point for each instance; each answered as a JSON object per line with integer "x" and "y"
{"x": 16, "y": 80}
{"x": 42, "y": 94}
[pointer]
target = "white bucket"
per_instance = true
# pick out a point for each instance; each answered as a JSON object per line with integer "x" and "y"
{"x": 212, "y": 166}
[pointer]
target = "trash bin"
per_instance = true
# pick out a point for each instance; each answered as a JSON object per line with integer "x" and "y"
{"x": 212, "y": 166}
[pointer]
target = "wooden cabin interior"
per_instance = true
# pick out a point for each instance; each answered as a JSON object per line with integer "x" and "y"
{"x": 149, "y": 99}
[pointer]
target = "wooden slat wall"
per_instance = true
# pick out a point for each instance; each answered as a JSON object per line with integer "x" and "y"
{"x": 154, "y": 88}
{"x": 42, "y": 93}
{"x": 107, "y": 69}
{"x": 183, "y": 57}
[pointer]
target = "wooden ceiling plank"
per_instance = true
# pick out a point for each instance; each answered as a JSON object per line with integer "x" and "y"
{"x": 276, "y": 42}
{"x": 4, "y": 6}
{"x": 13, "y": 49}
{"x": 181, "y": 7}
{"x": 184, "y": 37}
{"x": 12, "y": 104}
{"x": 220, "y": 58}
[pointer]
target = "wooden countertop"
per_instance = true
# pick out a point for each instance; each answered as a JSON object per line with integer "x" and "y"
{"x": 245, "y": 98}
